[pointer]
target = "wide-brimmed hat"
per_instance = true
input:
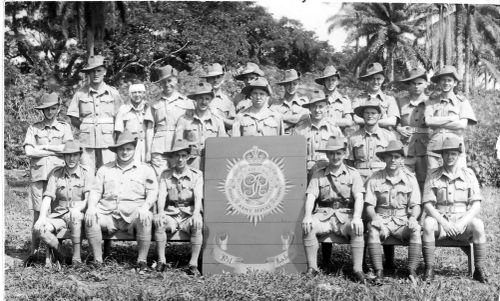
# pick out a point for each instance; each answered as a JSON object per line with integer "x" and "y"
{"x": 333, "y": 144}
{"x": 124, "y": 138}
{"x": 316, "y": 96}
{"x": 328, "y": 72}
{"x": 372, "y": 103}
{"x": 290, "y": 76}
{"x": 446, "y": 70}
{"x": 71, "y": 147}
{"x": 202, "y": 89}
{"x": 394, "y": 146}
{"x": 450, "y": 142}
{"x": 136, "y": 88}
{"x": 260, "y": 83}
{"x": 164, "y": 73}
{"x": 48, "y": 100}
{"x": 371, "y": 69}
{"x": 179, "y": 145}
{"x": 94, "y": 62}
{"x": 213, "y": 70}
{"x": 415, "y": 73}
{"x": 249, "y": 69}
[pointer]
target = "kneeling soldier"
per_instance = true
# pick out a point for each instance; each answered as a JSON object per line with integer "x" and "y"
{"x": 121, "y": 198}
{"x": 334, "y": 203}
{"x": 180, "y": 206}
{"x": 67, "y": 193}
{"x": 392, "y": 203}
{"x": 452, "y": 200}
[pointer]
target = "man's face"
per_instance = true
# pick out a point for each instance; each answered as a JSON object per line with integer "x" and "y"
{"x": 259, "y": 98}
{"x": 180, "y": 158}
{"x": 375, "y": 82}
{"x": 51, "y": 112}
{"x": 447, "y": 83}
{"x": 248, "y": 78}
{"x": 393, "y": 161}
{"x": 417, "y": 86}
{"x": 72, "y": 160}
{"x": 215, "y": 81}
{"x": 371, "y": 116}
{"x": 203, "y": 102}
{"x": 318, "y": 110}
{"x": 336, "y": 158}
{"x": 331, "y": 83}
{"x": 125, "y": 153}
{"x": 137, "y": 97}
{"x": 291, "y": 87}
{"x": 169, "y": 84}
{"x": 450, "y": 157}
{"x": 96, "y": 75}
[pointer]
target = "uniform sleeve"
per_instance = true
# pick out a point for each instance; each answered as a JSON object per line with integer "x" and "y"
{"x": 30, "y": 137}
{"x": 98, "y": 183}
{"x": 281, "y": 125}
{"x": 350, "y": 155}
{"x": 50, "y": 191}
{"x": 467, "y": 112}
{"x": 179, "y": 129}
{"x": 151, "y": 183}
{"x": 475, "y": 192}
{"x": 336, "y": 132}
{"x": 415, "y": 197}
{"x": 198, "y": 185}
{"x": 118, "y": 100}
{"x": 221, "y": 129}
{"x": 119, "y": 126}
{"x": 313, "y": 186}
{"x": 89, "y": 179}
{"x": 392, "y": 108}
{"x": 357, "y": 183}
{"x": 347, "y": 106}
{"x": 429, "y": 109}
{"x": 148, "y": 114}
{"x": 73, "y": 108}
{"x": 356, "y": 102}
{"x": 236, "y": 130}
{"x": 429, "y": 194}
{"x": 370, "y": 197}
{"x": 67, "y": 135}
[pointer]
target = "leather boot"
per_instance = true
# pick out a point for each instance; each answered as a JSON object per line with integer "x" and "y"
{"x": 480, "y": 275}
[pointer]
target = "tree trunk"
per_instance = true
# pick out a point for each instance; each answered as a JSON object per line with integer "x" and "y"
{"x": 485, "y": 79}
{"x": 90, "y": 41}
{"x": 441, "y": 36}
{"x": 468, "y": 49}
{"x": 390, "y": 67}
{"x": 459, "y": 35}
{"x": 449, "y": 36}
{"x": 429, "y": 49}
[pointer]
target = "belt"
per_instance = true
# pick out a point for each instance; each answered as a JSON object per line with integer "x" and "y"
{"x": 391, "y": 212}
{"x": 370, "y": 165}
{"x": 455, "y": 208}
{"x": 98, "y": 120}
{"x": 457, "y": 132}
{"x": 180, "y": 204}
{"x": 421, "y": 130}
{"x": 164, "y": 128}
{"x": 334, "y": 203}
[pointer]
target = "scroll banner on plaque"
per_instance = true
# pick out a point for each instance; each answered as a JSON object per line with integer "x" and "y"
{"x": 253, "y": 204}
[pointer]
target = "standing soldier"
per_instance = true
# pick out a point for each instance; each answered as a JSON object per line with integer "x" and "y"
{"x": 43, "y": 141}
{"x": 137, "y": 119}
{"x": 222, "y": 105}
{"x": 64, "y": 202}
{"x": 447, "y": 113}
{"x": 339, "y": 106}
{"x": 412, "y": 130}
{"x": 250, "y": 73}
{"x": 198, "y": 125}
{"x": 180, "y": 206}
{"x": 392, "y": 203}
{"x": 290, "y": 107}
{"x": 334, "y": 203}
{"x": 93, "y": 110}
{"x": 259, "y": 119}
{"x": 167, "y": 109}
{"x": 452, "y": 200}
{"x": 374, "y": 77}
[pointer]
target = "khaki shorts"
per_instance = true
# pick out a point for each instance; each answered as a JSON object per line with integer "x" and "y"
{"x": 35, "y": 195}
{"x": 332, "y": 221}
{"x": 177, "y": 222}
{"x": 395, "y": 227}
{"x": 59, "y": 223}
{"x": 110, "y": 224}
{"x": 464, "y": 236}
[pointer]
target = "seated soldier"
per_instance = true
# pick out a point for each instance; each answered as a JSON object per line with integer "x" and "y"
{"x": 334, "y": 203}
{"x": 180, "y": 206}
{"x": 64, "y": 202}
{"x": 121, "y": 198}
{"x": 392, "y": 203}
{"x": 452, "y": 201}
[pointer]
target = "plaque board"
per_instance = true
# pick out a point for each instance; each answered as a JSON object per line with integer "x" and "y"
{"x": 254, "y": 203}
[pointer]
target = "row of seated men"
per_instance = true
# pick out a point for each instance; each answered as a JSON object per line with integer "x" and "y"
{"x": 172, "y": 119}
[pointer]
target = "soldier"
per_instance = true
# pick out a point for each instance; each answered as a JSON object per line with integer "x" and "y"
{"x": 167, "y": 110}
{"x": 222, "y": 105}
{"x": 290, "y": 107}
{"x": 452, "y": 200}
{"x": 392, "y": 203}
{"x": 339, "y": 106}
{"x": 412, "y": 129}
{"x": 137, "y": 119}
{"x": 93, "y": 110}
{"x": 249, "y": 73}
{"x": 446, "y": 113}
{"x": 121, "y": 199}
{"x": 180, "y": 206}
{"x": 198, "y": 125}
{"x": 43, "y": 141}
{"x": 334, "y": 203}
{"x": 374, "y": 77}
{"x": 258, "y": 120}
{"x": 64, "y": 202}
{"x": 317, "y": 129}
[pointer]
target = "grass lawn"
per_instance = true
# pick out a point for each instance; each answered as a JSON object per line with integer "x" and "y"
{"x": 117, "y": 280}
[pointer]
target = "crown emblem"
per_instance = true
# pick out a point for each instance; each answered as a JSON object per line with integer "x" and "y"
{"x": 255, "y": 156}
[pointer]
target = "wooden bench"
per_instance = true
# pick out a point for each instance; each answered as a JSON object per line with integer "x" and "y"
{"x": 391, "y": 241}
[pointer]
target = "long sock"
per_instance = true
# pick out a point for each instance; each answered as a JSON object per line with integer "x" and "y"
{"x": 428, "y": 252}
{"x": 77, "y": 251}
{"x": 195, "y": 253}
{"x": 160, "y": 250}
{"x": 357, "y": 250}
{"x": 143, "y": 250}
{"x": 413, "y": 255}
{"x": 312, "y": 255}
{"x": 376, "y": 255}
{"x": 479, "y": 255}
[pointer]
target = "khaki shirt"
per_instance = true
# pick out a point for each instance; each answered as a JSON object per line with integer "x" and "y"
{"x": 133, "y": 120}
{"x": 264, "y": 123}
{"x": 179, "y": 189}
{"x": 196, "y": 129}
{"x": 97, "y": 110}
{"x": 67, "y": 190}
{"x": 338, "y": 106}
{"x": 42, "y": 133}
{"x": 292, "y": 107}
{"x": 445, "y": 189}
{"x": 347, "y": 181}
{"x": 166, "y": 112}
{"x": 388, "y": 103}
{"x": 123, "y": 191}
{"x": 412, "y": 117}
{"x": 222, "y": 106}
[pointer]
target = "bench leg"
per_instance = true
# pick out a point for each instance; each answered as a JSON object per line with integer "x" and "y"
{"x": 468, "y": 251}
{"x": 107, "y": 248}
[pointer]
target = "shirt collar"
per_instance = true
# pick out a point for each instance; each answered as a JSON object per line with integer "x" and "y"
{"x": 207, "y": 117}
{"x": 262, "y": 114}
{"x": 132, "y": 165}
{"x": 187, "y": 173}
{"x": 54, "y": 124}
{"x": 140, "y": 108}
{"x": 342, "y": 170}
{"x": 421, "y": 98}
{"x": 322, "y": 123}
{"x": 376, "y": 131}
{"x": 172, "y": 97}
{"x": 395, "y": 179}
{"x": 453, "y": 176}
{"x": 334, "y": 96}
{"x": 452, "y": 98}
{"x": 76, "y": 172}
{"x": 104, "y": 88}
{"x": 380, "y": 95}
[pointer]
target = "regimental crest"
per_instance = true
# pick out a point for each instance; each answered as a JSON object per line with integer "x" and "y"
{"x": 255, "y": 185}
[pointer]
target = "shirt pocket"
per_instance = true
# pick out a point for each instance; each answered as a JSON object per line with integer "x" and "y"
{"x": 137, "y": 187}
{"x": 85, "y": 132}
{"x": 42, "y": 137}
{"x": 86, "y": 106}
{"x": 191, "y": 134}
{"x": 211, "y": 129}
{"x": 325, "y": 190}
{"x": 453, "y": 110}
{"x": 159, "y": 116}
{"x": 56, "y": 137}
{"x": 107, "y": 133}
{"x": 107, "y": 103}
{"x": 359, "y": 151}
{"x": 461, "y": 192}
{"x": 270, "y": 127}
{"x": 382, "y": 192}
{"x": 248, "y": 127}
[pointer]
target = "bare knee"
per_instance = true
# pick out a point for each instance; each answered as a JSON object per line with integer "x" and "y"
{"x": 477, "y": 225}
{"x": 430, "y": 225}
{"x": 373, "y": 234}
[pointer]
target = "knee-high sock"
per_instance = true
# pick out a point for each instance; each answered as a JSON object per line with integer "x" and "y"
{"x": 143, "y": 250}
{"x": 161, "y": 243}
{"x": 376, "y": 255}
{"x": 479, "y": 255}
{"x": 357, "y": 251}
{"x": 413, "y": 255}
{"x": 76, "y": 240}
{"x": 311, "y": 247}
{"x": 428, "y": 252}
{"x": 94, "y": 237}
